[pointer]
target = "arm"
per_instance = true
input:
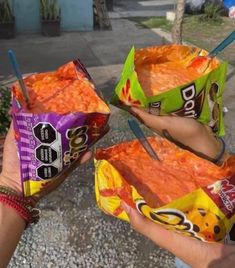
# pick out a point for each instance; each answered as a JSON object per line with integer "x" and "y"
{"x": 185, "y": 132}
{"x": 194, "y": 252}
{"x": 11, "y": 223}
{"x": 12, "y": 227}
{"x": 190, "y": 134}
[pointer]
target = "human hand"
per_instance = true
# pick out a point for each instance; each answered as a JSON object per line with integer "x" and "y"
{"x": 10, "y": 176}
{"x": 192, "y": 251}
{"x": 185, "y": 132}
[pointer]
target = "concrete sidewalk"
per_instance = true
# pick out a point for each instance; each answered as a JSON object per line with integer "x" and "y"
{"x": 131, "y": 8}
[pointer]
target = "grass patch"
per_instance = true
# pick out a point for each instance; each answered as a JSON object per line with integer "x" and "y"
{"x": 208, "y": 34}
{"x": 151, "y": 22}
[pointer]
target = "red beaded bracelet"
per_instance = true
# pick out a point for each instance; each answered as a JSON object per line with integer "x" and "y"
{"x": 25, "y": 207}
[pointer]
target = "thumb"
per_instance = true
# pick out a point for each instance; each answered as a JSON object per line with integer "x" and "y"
{"x": 155, "y": 122}
{"x": 144, "y": 226}
{"x": 87, "y": 156}
{"x": 137, "y": 221}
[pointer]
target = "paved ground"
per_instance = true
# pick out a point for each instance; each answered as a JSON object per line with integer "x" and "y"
{"x": 132, "y": 8}
{"x": 72, "y": 231}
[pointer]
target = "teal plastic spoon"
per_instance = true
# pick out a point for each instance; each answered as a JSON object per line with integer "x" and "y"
{"x": 18, "y": 74}
{"x": 134, "y": 126}
{"x": 203, "y": 62}
{"x": 226, "y": 42}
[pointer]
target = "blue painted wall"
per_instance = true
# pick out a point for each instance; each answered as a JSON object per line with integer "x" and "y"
{"x": 76, "y": 15}
{"x": 27, "y": 15}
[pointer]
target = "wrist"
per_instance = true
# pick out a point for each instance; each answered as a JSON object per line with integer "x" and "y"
{"x": 23, "y": 206}
{"x": 7, "y": 181}
{"x": 221, "y": 152}
{"x": 8, "y": 215}
{"x": 12, "y": 226}
{"x": 210, "y": 147}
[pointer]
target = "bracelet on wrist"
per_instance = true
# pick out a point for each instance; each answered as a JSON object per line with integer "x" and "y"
{"x": 24, "y": 206}
{"x": 219, "y": 157}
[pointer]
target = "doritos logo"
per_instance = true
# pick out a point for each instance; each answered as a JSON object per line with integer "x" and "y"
{"x": 193, "y": 103}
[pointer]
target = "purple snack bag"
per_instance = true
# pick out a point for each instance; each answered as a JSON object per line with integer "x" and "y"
{"x": 48, "y": 143}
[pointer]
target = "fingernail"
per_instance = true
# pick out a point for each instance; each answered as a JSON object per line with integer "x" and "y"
{"x": 126, "y": 207}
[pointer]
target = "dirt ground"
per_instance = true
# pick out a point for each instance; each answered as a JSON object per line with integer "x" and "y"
{"x": 204, "y": 34}
{"x": 208, "y": 35}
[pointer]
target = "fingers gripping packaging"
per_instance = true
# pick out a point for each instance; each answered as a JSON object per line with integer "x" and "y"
{"x": 64, "y": 119}
{"x": 168, "y": 80}
{"x": 182, "y": 192}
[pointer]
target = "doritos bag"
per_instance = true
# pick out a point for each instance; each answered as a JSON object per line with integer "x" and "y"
{"x": 64, "y": 119}
{"x": 165, "y": 80}
{"x": 183, "y": 192}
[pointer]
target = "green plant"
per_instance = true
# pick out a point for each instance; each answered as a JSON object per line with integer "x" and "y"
{"x": 50, "y": 10}
{"x": 151, "y": 22}
{"x": 5, "y": 104}
{"x": 6, "y": 15}
{"x": 211, "y": 13}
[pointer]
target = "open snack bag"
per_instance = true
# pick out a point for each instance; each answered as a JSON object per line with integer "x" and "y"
{"x": 167, "y": 80}
{"x": 64, "y": 118}
{"x": 182, "y": 191}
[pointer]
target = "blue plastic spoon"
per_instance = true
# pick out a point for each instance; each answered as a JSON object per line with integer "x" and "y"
{"x": 134, "y": 126}
{"x": 18, "y": 74}
{"x": 203, "y": 62}
{"x": 226, "y": 42}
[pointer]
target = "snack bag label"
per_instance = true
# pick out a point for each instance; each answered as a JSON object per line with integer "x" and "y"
{"x": 206, "y": 214}
{"x": 48, "y": 143}
{"x": 200, "y": 99}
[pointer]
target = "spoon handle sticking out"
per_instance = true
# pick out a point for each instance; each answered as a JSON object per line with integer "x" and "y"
{"x": 18, "y": 74}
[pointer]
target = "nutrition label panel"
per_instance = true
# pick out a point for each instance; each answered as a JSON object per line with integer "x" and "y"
{"x": 40, "y": 148}
{"x": 49, "y": 151}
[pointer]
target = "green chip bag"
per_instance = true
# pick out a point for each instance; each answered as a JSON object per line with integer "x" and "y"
{"x": 168, "y": 80}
